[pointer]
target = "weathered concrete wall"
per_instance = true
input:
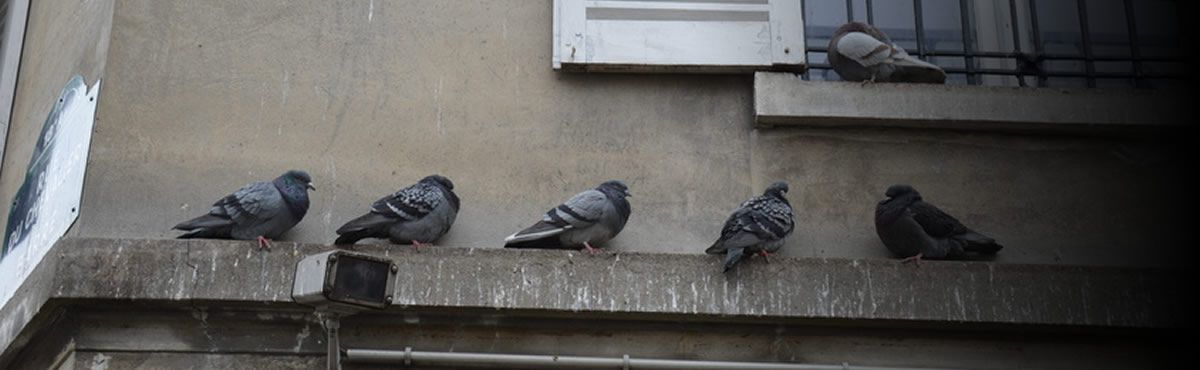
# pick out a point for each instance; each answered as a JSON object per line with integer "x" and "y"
{"x": 370, "y": 96}
{"x": 158, "y": 337}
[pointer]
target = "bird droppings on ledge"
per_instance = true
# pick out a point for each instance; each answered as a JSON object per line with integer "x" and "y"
{"x": 643, "y": 283}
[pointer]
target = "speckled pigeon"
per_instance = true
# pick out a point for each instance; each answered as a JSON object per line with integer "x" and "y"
{"x": 418, "y": 214}
{"x": 591, "y": 217}
{"x": 914, "y": 229}
{"x": 262, "y": 210}
{"x": 758, "y": 226}
{"x": 861, "y": 52}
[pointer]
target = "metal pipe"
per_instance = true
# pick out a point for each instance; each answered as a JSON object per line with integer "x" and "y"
{"x": 1038, "y": 48}
{"x": 966, "y": 25}
{"x": 1134, "y": 53}
{"x": 408, "y": 357}
{"x": 919, "y": 22}
{"x": 870, "y": 13}
{"x": 333, "y": 351}
{"x": 1085, "y": 35}
{"x": 1012, "y": 12}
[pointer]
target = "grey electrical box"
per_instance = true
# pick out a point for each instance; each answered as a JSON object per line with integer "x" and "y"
{"x": 344, "y": 282}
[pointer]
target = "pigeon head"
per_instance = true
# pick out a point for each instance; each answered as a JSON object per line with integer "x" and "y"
{"x": 440, "y": 180}
{"x": 899, "y": 190}
{"x": 614, "y": 187}
{"x": 778, "y": 189}
{"x": 294, "y": 186}
{"x": 297, "y": 177}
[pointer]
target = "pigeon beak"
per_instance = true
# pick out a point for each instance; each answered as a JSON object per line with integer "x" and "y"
{"x": 310, "y": 186}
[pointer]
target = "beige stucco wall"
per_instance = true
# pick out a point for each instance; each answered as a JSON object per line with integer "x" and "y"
{"x": 369, "y": 96}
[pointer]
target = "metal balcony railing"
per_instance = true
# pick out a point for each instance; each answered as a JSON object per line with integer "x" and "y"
{"x": 1035, "y": 56}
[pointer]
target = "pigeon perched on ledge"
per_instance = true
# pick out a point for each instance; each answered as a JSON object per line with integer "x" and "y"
{"x": 262, "y": 210}
{"x": 591, "y": 217}
{"x": 914, "y": 229}
{"x": 861, "y": 52}
{"x": 758, "y": 226}
{"x": 418, "y": 214}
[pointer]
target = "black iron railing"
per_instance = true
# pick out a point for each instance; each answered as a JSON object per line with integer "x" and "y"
{"x": 1032, "y": 64}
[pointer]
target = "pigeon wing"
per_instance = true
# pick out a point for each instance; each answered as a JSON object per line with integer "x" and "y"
{"x": 865, "y": 49}
{"x": 250, "y": 205}
{"x": 756, "y": 221}
{"x": 935, "y": 222}
{"x": 582, "y": 210}
{"x": 735, "y": 227}
{"x": 409, "y": 204}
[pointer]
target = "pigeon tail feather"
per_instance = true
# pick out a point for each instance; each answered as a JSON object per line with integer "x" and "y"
{"x": 538, "y": 231}
{"x": 716, "y": 248}
{"x": 918, "y": 71}
{"x": 541, "y": 243}
{"x": 352, "y": 237}
{"x": 978, "y": 243}
{"x": 206, "y": 221}
{"x": 732, "y": 257}
{"x": 364, "y": 222}
{"x": 208, "y": 233}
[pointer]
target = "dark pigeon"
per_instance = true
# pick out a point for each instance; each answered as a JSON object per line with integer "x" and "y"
{"x": 914, "y": 229}
{"x": 417, "y": 215}
{"x": 591, "y": 217}
{"x": 758, "y": 226}
{"x": 861, "y": 52}
{"x": 262, "y": 210}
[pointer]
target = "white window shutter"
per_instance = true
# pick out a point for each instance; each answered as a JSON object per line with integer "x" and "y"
{"x": 678, "y": 35}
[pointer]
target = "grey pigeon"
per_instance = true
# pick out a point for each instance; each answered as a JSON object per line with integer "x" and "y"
{"x": 914, "y": 229}
{"x": 758, "y": 226}
{"x": 861, "y": 52}
{"x": 591, "y": 217}
{"x": 418, "y": 214}
{"x": 262, "y": 210}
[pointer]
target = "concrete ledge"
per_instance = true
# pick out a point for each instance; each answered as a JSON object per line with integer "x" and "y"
{"x": 784, "y": 99}
{"x": 641, "y": 284}
{"x": 626, "y": 286}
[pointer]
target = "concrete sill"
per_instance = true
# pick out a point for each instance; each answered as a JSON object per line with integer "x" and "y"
{"x": 784, "y": 99}
{"x": 639, "y": 284}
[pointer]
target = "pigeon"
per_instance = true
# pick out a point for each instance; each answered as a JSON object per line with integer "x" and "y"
{"x": 262, "y": 211}
{"x": 758, "y": 226}
{"x": 914, "y": 229}
{"x": 591, "y": 217}
{"x": 861, "y": 52}
{"x": 418, "y": 214}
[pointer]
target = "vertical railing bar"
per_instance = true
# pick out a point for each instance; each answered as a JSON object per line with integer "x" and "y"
{"x": 807, "y": 34}
{"x": 1038, "y": 48}
{"x": 870, "y": 13}
{"x": 1016, "y": 34}
{"x": 1134, "y": 53}
{"x": 920, "y": 23}
{"x": 849, "y": 11}
{"x": 1086, "y": 38}
{"x": 969, "y": 60}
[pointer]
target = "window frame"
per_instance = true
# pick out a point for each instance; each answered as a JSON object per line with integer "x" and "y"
{"x": 584, "y": 40}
